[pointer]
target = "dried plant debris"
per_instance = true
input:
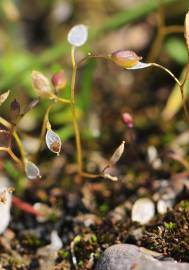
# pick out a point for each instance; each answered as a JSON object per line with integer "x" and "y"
{"x": 4, "y": 96}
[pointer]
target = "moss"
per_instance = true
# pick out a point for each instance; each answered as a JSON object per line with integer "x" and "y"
{"x": 62, "y": 253}
{"x": 170, "y": 235}
{"x": 170, "y": 225}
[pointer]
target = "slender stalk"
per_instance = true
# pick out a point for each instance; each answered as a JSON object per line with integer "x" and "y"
{"x": 173, "y": 29}
{"x": 5, "y": 123}
{"x": 44, "y": 125}
{"x": 20, "y": 146}
{"x": 168, "y": 71}
{"x": 10, "y": 152}
{"x": 13, "y": 156}
{"x": 73, "y": 109}
{"x": 90, "y": 175}
{"x": 92, "y": 56}
{"x": 180, "y": 84}
{"x": 62, "y": 100}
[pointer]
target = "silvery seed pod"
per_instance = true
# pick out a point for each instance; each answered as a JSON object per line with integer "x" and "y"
{"x": 78, "y": 35}
{"x": 31, "y": 170}
{"x": 53, "y": 142}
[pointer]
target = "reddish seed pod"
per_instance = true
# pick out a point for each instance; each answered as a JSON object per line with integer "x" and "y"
{"x": 125, "y": 58}
{"x": 58, "y": 80}
{"x": 128, "y": 119}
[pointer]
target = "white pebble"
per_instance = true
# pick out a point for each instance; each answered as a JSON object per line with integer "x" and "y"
{"x": 56, "y": 242}
{"x": 5, "y": 210}
{"x": 143, "y": 211}
{"x": 163, "y": 205}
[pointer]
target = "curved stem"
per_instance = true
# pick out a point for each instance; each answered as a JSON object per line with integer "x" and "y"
{"x": 73, "y": 109}
{"x": 168, "y": 71}
{"x": 10, "y": 152}
{"x": 90, "y": 175}
{"x": 20, "y": 146}
{"x": 13, "y": 156}
{"x": 5, "y": 123}
{"x": 180, "y": 84}
{"x": 91, "y": 56}
{"x": 62, "y": 100}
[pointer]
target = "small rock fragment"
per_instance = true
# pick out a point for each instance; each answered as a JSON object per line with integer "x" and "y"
{"x": 130, "y": 257}
{"x": 163, "y": 206}
{"x": 5, "y": 205}
{"x": 143, "y": 211}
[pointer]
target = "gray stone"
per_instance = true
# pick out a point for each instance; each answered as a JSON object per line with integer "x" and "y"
{"x": 130, "y": 257}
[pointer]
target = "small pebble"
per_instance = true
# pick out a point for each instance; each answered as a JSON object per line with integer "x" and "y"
{"x": 143, "y": 211}
{"x": 163, "y": 206}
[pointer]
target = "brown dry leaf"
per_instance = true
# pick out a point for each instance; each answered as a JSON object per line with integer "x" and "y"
{"x": 4, "y": 96}
{"x": 117, "y": 154}
{"x": 186, "y": 30}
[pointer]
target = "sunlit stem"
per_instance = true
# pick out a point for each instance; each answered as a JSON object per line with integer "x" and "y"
{"x": 90, "y": 175}
{"x": 11, "y": 154}
{"x": 5, "y": 123}
{"x": 168, "y": 71}
{"x": 93, "y": 56}
{"x": 74, "y": 115}
{"x": 44, "y": 125}
{"x": 20, "y": 146}
{"x": 180, "y": 84}
{"x": 58, "y": 99}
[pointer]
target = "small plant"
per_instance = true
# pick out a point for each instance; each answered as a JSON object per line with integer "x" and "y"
{"x": 50, "y": 89}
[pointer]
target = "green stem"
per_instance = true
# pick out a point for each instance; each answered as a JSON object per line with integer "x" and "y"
{"x": 74, "y": 115}
{"x": 20, "y": 146}
{"x": 44, "y": 125}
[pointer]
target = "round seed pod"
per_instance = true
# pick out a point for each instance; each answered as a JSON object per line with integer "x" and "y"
{"x": 125, "y": 58}
{"x": 59, "y": 80}
{"x": 78, "y": 35}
